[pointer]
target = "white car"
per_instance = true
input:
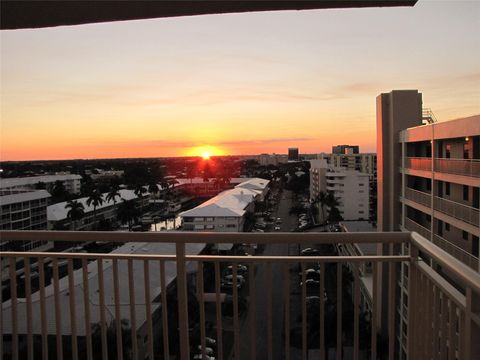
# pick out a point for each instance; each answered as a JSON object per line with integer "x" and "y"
{"x": 277, "y": 228}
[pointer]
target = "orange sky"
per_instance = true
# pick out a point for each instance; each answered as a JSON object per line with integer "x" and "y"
{"x": 236, "y": 84}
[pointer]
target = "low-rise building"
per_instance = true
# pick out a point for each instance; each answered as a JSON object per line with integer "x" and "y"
{"x": 57, "y": 214}
{"x": 227, "y": 211}
{"x": 71, "y": 182}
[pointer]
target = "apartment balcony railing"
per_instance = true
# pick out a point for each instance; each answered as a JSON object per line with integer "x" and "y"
{"x": 414, "y": 226}
{"x": 465, "y": 167}
{"x": 73, "y": 317}
{"x": 457, "y": 252}
{"x": 419, "y": 197}
{"x": 459, "y": 211}
{"x": 419, "y": 163}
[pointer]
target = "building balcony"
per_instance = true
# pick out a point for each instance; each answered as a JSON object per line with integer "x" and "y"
{"x": 459, "y": 211}
{"x": 457, "y": 252}
{"x": 411, "y": 225}
{"x": 418, "y": 163}
{"x": 465, "y": 167}
{"x": 172, "y": 300}
{"x": 419, "y": 197}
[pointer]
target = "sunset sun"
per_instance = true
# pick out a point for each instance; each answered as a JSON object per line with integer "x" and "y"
{"x": 205, "y": 151}
{"x": 206, "y": 155}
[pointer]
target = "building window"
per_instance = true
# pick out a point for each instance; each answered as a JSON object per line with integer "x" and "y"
{"x": 198, "y": 219}
{"x": 447, "y": 188}
{"x": 209, "y": 219}
{"x": 465, "y": 235}
{"x": 448, "y": 148}
{"x": 209, "y": 227}
{"x": 475, "y": 246}
{"x": 465, "y": 192}
{"x": 231, "y": 225}
{"x": 447, "y": 227}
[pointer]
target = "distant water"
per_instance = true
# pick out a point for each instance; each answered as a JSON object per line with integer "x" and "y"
{"x": 168, "y": 224}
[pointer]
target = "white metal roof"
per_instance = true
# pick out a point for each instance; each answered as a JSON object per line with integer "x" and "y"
{"x": 228, "y": 203}
{"x": 24, "y": 181}
{"x": 25, "y": 196}
{"x": 254, "y": 183}
{"x": 93, "y": 285}
{"x": 58, "y": 211}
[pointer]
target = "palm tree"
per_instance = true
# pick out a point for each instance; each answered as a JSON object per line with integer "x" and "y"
{"x": 127, "y": 212}
{"x": 322, "y": 199}
{"x": 112, "y": 194}
{"x": 75, "y": 213}
{"x": 139, "y": 191}
{"x": 153, "y": 189}
{"x": 95, "y": 199}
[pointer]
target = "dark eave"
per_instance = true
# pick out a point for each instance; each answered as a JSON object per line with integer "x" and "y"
{"x": 23, "y": 14}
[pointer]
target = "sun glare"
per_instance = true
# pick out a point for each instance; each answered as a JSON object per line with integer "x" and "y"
{"x": 205, "y": 151}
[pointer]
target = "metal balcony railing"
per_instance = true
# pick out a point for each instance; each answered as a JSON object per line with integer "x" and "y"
{"x": 465, "y": 167}
{"x": 457, "y": 252}
{"x": 459, "y": 211}
{"x": 419, "y": 197}
{"x": 170, "y": 301}
{"x": 418, "y": 163}
{"x": 414, "y": 226}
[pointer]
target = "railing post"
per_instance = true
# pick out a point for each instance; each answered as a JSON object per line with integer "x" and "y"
{"x": 182, "y": 302}
{"x": 472, "y": 330}
{"x": 412, "y": 310}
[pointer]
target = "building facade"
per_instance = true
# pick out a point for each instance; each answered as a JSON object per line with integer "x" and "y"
{"x": 293, "y": 154}
{"x": 350, "y": 188}
{"x": 345, "y": 149}
{"x": 428, "y": 182}
{"x": 24, "y": 210}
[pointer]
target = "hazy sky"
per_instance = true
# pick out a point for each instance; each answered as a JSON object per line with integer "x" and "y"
{"x": 239, "y": 83}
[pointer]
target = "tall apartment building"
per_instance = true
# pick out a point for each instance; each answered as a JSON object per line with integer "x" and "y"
{"x": 428, "y": 182}
{"x": 70, "y": 181}
{"x": 350, "y": 188}
{"x": 23, "y": 210}
{"x": 293, "y": 154}
{"x": 345, "y": 149}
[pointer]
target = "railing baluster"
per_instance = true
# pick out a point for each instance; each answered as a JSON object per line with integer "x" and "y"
{"x": 339, "y": 310}
{"x": 452, "y": 320}
{"x": 182, "y": 298}
{"x": 1, "y": 320}
{"x": 304, "y": 313}
{"x": 252, "y": 311}
{"x": 236, "y": 330}
{"x": 444, "y": 328}
{"x": 218, "y": 311}
{"x": 13, "y": 300}
{"x": 86, "y": 304}
{"x": 103, "y": 321}
{"x": 73, "y": 315}
{"x": 461, "y": 338}
{"x": 133, "y": 316}
{"x": 356, "y": 311}
{"x": 163, "y": 289}
{"x": 286, "y": 277}
{"x": 58, "y": 310}
{"x": 148, "y": 308}
{"x": 322, "y": 311}
{"x": 435, "y": 318}
{"x": 391, "y": 306}
{"x": 43, "y": 310}
{"x": 201, "y": 302}
{"x": 373, "y": 324}
{"x": 118, "y": 318}
{"x": 28, "y": 296}
{"x": 428, "y": 322}
{"x": 269, "y": 312}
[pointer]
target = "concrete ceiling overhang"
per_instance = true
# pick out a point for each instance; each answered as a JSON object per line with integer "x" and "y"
{"x": 24, "y": 14}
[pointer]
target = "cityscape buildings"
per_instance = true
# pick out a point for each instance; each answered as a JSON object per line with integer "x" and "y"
{"x": 293, "y": 154}
{"x": 345, "y": 149}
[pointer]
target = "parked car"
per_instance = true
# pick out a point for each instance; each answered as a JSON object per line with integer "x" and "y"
{"x": 240, "y": 267}
{"x": 277, "y": 228}
{"x": 229, "y": 278}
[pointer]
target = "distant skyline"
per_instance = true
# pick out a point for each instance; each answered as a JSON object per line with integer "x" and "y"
{"x": 233, "y": 83}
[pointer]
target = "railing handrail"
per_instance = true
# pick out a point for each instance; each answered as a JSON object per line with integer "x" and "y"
{"x": 466, "y": 253}
{"x": 457, "y": 159}
{"x": 188, "y": 237}
{"x": 456, "y": 203}
{"x": 418, "y": 191}
{"x": 467, "y": 275}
